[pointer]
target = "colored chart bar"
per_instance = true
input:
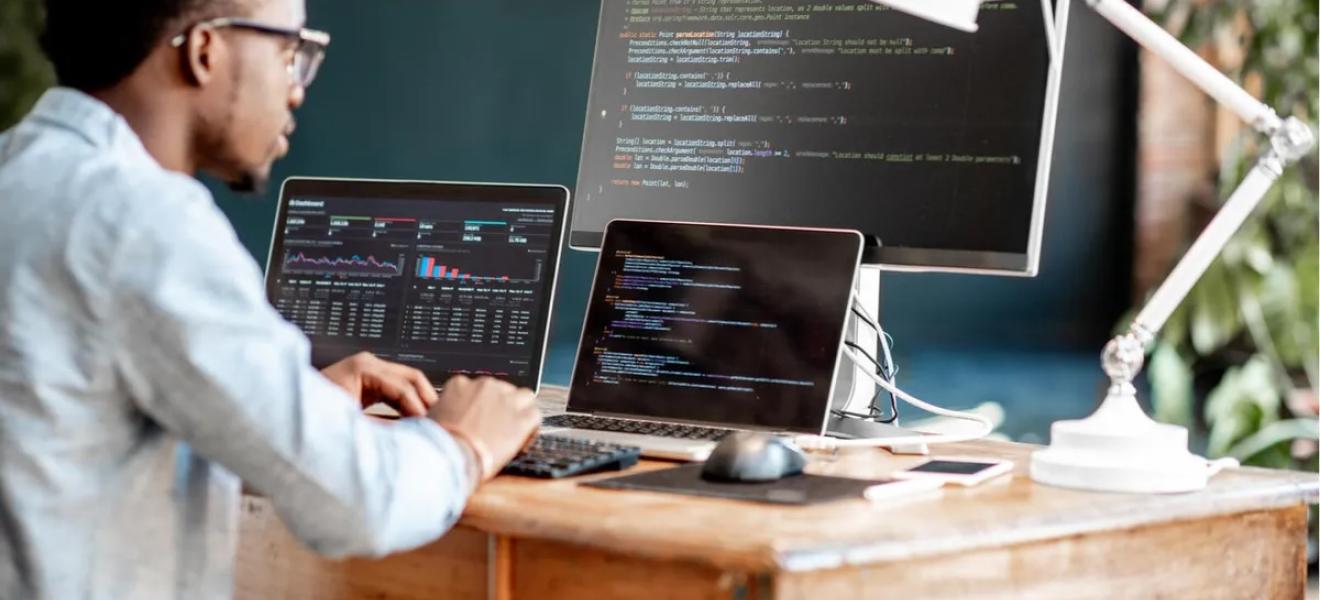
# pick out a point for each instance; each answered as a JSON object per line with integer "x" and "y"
{"x": 428, "y": 269}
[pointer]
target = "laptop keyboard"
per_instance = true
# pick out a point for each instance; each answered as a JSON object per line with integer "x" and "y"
{"x": 554, "y": 457}
{"x": 669, "y": 430}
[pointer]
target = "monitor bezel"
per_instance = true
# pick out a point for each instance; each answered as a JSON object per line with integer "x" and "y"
{"x": 558, "y": 195}
{"x": 875, "y": 253}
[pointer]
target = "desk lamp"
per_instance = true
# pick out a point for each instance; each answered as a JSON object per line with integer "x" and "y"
{"x": 1119, "y": 448}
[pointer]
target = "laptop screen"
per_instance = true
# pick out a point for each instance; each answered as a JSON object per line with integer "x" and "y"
{"x": 446, "y": 277}
{"x": 715, "y": 323}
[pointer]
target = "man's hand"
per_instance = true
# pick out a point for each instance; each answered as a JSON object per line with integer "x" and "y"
{"x": 371, "y": 379}
{"x": 495, "y": 418}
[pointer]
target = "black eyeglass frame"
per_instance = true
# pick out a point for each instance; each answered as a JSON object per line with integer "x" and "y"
{"x": 307, "y": 56}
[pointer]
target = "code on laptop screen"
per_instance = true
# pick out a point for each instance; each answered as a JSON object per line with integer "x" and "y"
{"x": 720, "y": 324}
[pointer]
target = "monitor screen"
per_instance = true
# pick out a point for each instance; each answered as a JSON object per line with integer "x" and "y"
{"x": 449, "y": 278}
{"x": 932, "y": 141}
{"x": 716, "y": 324}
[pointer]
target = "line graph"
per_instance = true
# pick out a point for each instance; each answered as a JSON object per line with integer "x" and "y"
{"x": 356, "y": 264}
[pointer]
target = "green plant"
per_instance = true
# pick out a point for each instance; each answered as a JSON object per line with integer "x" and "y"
{"x": 24, "y": 71}
{"x": 1250, "y": 326}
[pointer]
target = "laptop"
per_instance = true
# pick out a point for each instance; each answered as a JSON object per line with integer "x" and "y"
{"x": 697, "y": 330}
{"x": 450, "y": 278}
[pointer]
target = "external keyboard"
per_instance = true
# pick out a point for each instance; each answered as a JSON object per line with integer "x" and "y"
{"x": 670, "y": 430}
{"x": 552, "y": 457}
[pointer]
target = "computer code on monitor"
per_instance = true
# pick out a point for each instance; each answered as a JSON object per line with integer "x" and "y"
{"x": 715, "y": 323}
{"x": 830, "y": 114}
{"x": 445, "y": 286}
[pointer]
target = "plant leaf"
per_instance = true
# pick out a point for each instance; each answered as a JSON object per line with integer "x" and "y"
{"x": 1280, "y": 304}
{"x": 1275, "y": 433}
{"x": 1214, "y": 316}
{"x": 1246, "y": 399}
{"x": 1171, "y": 386}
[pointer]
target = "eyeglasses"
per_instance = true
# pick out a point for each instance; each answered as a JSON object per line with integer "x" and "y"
{"x": 307, "y": 55}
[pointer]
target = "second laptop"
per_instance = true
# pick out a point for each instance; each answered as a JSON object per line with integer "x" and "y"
{"x": 696, "y": 330}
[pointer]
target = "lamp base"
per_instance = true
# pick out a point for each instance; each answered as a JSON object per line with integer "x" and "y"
{"x": 1103, "y": 461}
{"x": 1120, "y": 449}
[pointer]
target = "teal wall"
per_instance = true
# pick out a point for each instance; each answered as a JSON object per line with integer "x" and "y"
{"x": 496, "y": 90}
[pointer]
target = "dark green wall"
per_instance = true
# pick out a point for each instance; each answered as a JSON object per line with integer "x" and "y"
{"x": 497, "y": 89}
{"x": 420, "y": 89}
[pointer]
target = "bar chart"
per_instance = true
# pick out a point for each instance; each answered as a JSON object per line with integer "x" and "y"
{"x": 432, "y": 267}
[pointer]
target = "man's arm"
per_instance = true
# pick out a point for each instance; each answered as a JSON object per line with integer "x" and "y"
{"x": 206, "y": 356}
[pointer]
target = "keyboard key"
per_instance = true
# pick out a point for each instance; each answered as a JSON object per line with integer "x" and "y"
{"x": 554, "y": 457}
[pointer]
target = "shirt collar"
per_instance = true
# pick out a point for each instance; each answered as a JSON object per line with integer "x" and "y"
{"x": 81, "y": 113}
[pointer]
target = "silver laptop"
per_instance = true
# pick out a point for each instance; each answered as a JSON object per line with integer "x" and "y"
{"x": 448, "y": 277}
{"x": 696, "y": 330}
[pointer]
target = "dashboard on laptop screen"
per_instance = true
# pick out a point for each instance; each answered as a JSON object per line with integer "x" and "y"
{"x": 444, "y": 277}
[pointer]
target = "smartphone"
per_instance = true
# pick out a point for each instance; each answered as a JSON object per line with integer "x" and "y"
{"x": 958, "y": 471}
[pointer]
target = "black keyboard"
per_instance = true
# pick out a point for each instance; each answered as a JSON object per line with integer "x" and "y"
{"x": 670, "y": 430}
{"x": 552, "y": 457}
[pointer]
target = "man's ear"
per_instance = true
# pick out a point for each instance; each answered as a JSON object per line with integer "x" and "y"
{"x": 203, "y": 49}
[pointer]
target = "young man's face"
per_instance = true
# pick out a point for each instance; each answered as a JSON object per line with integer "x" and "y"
{"x": 249, "y": 111}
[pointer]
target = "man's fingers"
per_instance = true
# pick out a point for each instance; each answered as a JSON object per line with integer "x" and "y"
{"x": 425, "y": 390}
{"x": 398, "y": 390}
{"x": 531, "y": 417}
{"x": 457, "y": 384}
{"x": 409, "y": 404}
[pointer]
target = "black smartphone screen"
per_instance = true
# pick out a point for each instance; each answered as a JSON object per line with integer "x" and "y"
{"x": 951, "y": 467}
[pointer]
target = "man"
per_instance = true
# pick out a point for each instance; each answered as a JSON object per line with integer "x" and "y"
{"x": 142, "y": 372}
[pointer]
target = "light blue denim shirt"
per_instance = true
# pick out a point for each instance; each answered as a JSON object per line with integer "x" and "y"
{"x": 143, "y": 373}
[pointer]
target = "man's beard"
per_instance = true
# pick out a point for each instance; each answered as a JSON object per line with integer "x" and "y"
{"x": 247, "y": 179}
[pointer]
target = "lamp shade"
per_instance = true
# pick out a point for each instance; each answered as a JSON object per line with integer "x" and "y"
{"x": 959, "y": 14}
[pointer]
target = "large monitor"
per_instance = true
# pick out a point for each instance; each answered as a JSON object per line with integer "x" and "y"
{"x": 933, "y": 142}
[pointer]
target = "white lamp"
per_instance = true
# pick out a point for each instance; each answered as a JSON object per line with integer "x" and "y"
{"x": 959, "y": 14}
{"x": 1119, "y": 448}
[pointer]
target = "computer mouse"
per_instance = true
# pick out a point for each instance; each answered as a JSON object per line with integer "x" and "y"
{"x": 746, "y": 456}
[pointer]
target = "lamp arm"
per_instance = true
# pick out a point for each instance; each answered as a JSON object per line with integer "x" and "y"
{"x": 1289, "y": 141}
{"x": 1052, "y": 26}
{"x": 1208, "y": 244}
{"x": 1124, "y": 355}
{"x": 1154, "y": 38}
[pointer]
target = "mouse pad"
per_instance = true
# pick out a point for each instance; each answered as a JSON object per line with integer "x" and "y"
{"x": 796, "y": 490}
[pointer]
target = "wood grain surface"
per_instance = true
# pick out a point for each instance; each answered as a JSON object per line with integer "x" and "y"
{"x": 736, "y": 535}
{"x": 524, "y": 538}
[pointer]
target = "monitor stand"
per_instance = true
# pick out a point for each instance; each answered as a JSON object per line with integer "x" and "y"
{"x": 853, "y": 393}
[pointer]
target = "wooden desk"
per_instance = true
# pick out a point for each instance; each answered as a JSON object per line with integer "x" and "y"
{"x": 1243, "y": 537}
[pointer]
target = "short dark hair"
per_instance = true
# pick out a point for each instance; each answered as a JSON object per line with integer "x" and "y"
{"x": 94, "y": 44}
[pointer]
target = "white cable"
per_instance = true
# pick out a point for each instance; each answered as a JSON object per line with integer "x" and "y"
{"x": 825, "y": 443}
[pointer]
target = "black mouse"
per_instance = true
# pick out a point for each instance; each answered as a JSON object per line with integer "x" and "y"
{"x": 745, "y": 456}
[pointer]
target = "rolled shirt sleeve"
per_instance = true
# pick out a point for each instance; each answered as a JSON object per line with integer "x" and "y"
{"x": 207, "y": 357}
